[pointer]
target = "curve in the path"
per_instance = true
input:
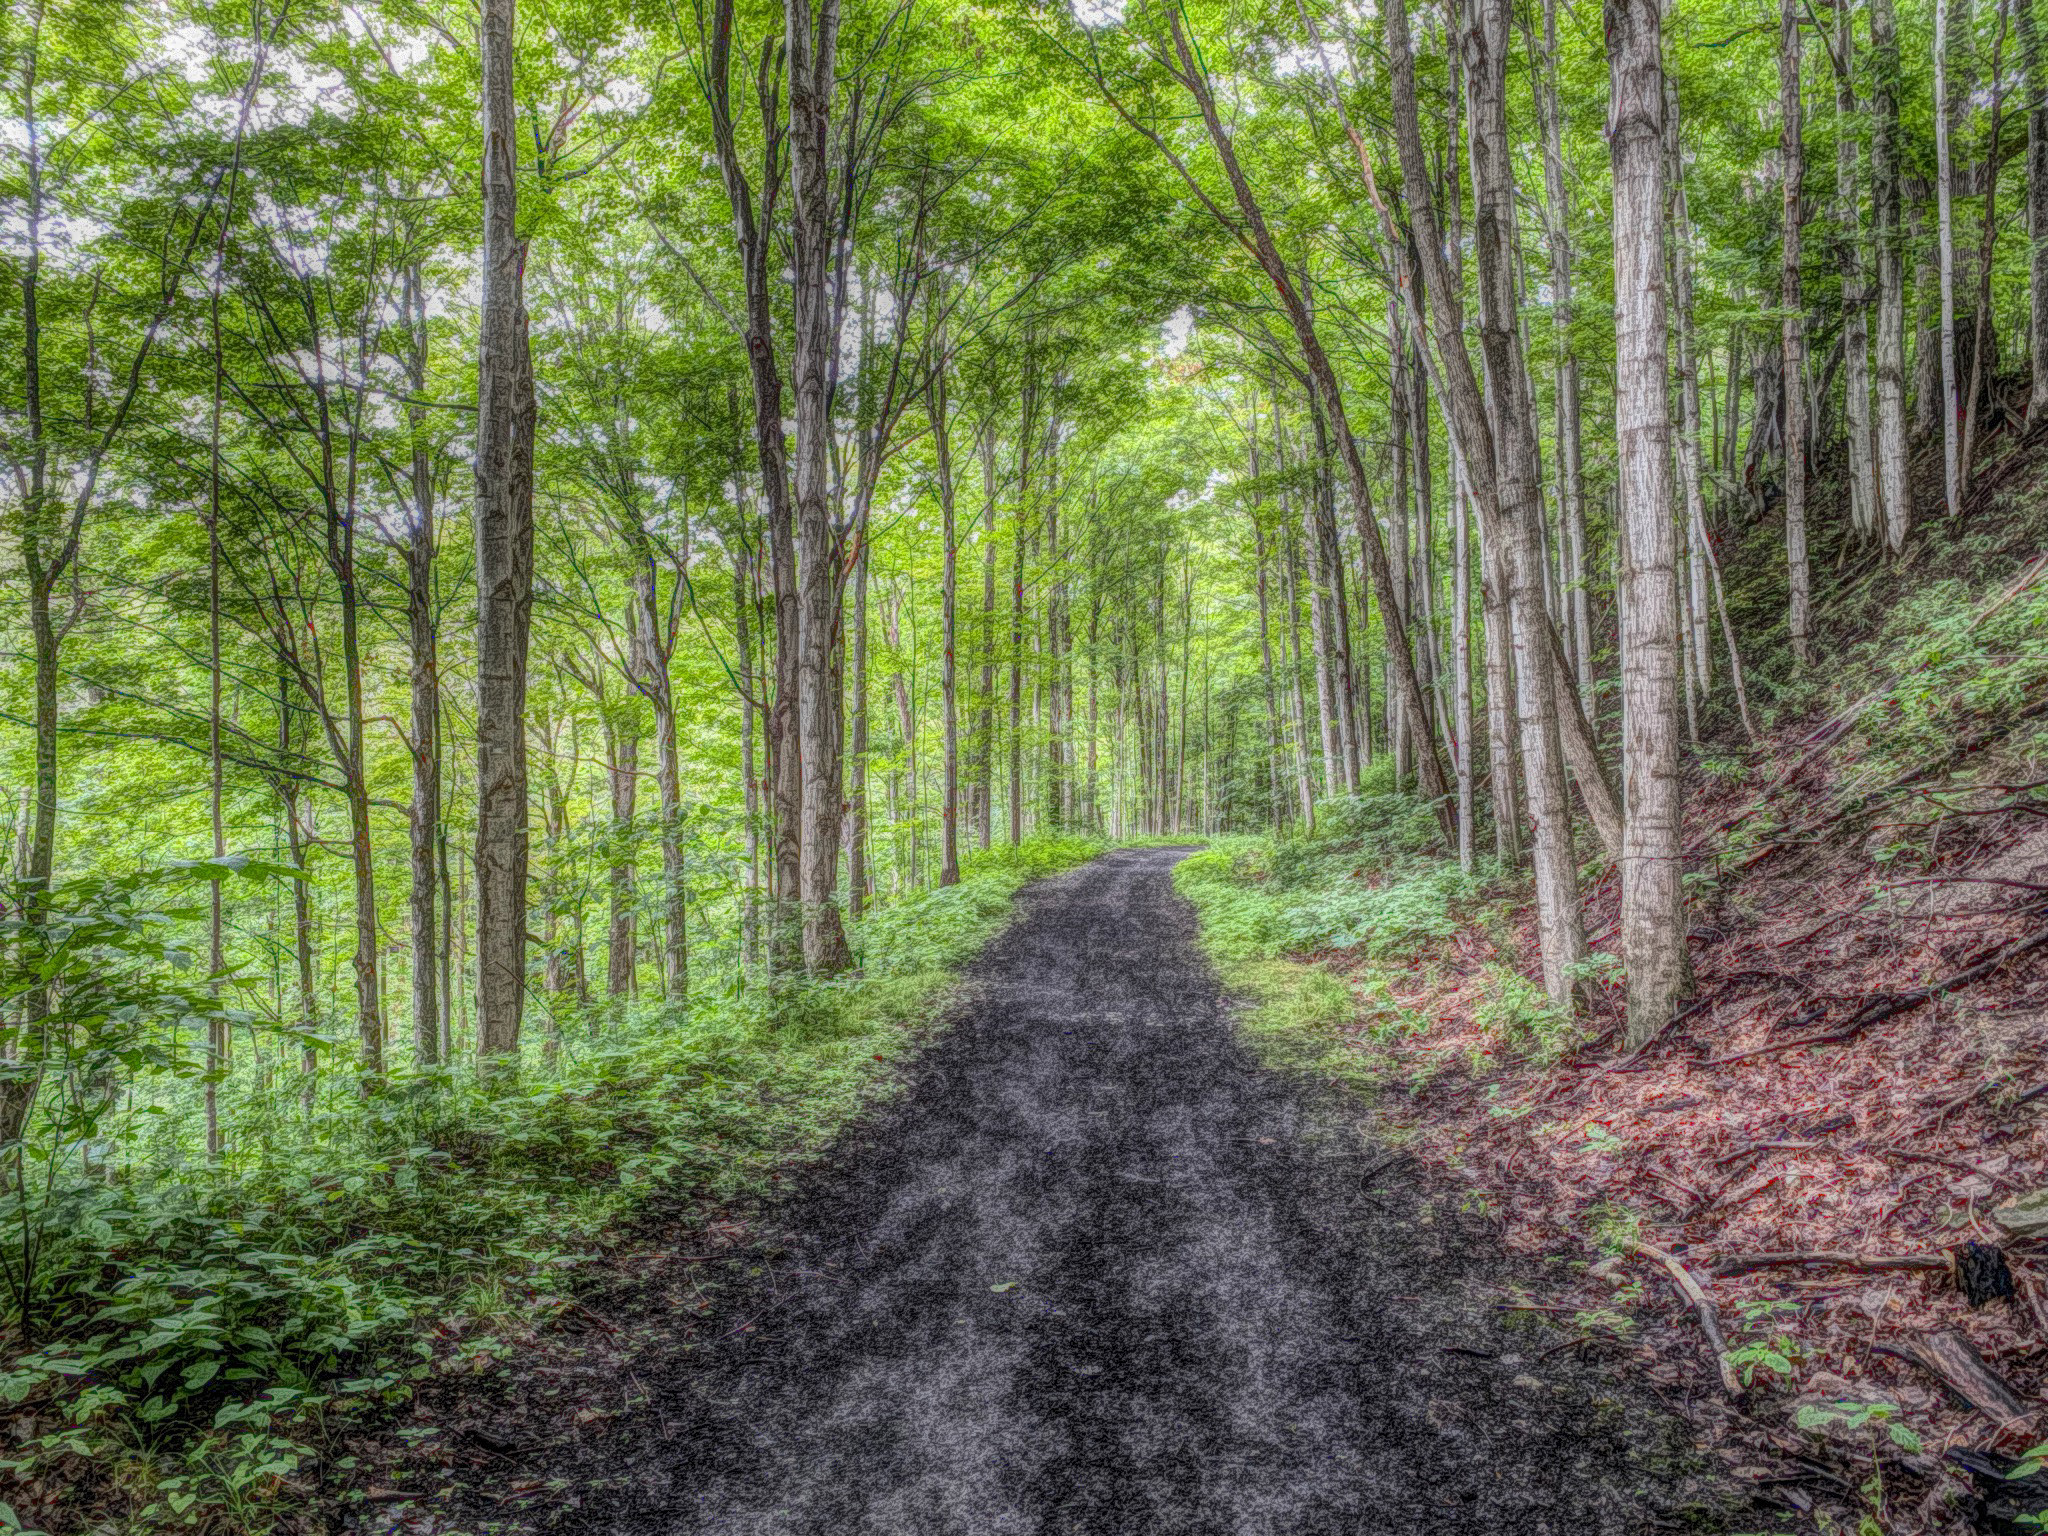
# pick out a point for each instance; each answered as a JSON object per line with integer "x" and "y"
{"x": 1098, "y": 1274}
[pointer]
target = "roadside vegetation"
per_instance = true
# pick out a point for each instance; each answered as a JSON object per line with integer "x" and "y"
{"x": 200, "y": 1337}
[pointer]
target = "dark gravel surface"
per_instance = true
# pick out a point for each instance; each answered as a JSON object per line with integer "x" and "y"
{"x": 1097, "y": 1272}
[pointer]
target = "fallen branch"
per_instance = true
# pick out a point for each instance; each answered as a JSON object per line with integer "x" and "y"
{"x": 1952, "y": 1359}
{"x": 1946, "y": 1162}
{"x": 1739, "y": 1263}
{"x": 1764, "y": 1146}
{"x": 1905, "y": 1002}
{"x": 1703, "y": 1308}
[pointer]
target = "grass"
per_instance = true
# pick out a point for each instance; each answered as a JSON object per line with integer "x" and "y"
{"x": 200, "y": 1336}
{"x": 1370, "y": 884}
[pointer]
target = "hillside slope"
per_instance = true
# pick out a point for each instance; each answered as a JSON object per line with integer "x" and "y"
{"x": 1850, "y": 1098}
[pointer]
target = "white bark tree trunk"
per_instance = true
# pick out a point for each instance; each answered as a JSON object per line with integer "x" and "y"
{"x": 1894, "y": 493}
{"x": 1792, "y": 173}
{"x": 1652, "y": 899}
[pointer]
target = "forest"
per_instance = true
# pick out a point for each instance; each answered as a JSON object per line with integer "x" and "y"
{"x": 565, "y": 563}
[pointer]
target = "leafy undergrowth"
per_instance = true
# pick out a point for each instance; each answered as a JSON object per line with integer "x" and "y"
{"x": 213, "y": 1349}
{"x": 1814, "y": 1102}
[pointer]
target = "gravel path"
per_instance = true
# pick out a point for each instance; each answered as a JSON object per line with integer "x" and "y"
{"x": 1098, "y": 1273}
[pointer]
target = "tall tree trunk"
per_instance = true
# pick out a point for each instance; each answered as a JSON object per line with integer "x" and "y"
{"x": 1894, "y": 492}
{"x": 754, "y": 235}
{"x": 504, "y": 566}
{"x": 812, "y": 41}
{"x": 949, "y": 629}
{"x": 425, "y": 817}
{"x": 1652, "y": 899}
{"x": 985, "y": 730}
{"x": 1987, "y": 251}
{"x": 652, "y": 644}
{"x": 1304, "y": 773}
{"x": 1461, "y": 661}
{"x": 1561, "y": 927}
{"x": 1945, "y": 236}
{"x": 1266, "y": 639}
{"x": 1791, "y": 171}
{"x": 306, "y": 1015}
{"x": 1503, "y": 782}
{"x": 2034, "y": 67}
{"x": 743, "y": 592}
{"x": 1699, "y": 656}
{"x": 1863, "y": 499}
{"x": 1016, "y": 742}
{"x": 858, "y": 876}
{"x": 622, "y": 773}
{"x": 1576, "y": 614}
{"x": 1472, "y": 434}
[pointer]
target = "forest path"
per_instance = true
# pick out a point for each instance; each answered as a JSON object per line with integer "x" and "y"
{"x": 1097, "y": 1272}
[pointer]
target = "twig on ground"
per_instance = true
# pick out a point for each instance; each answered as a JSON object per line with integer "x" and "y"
{"x": 1947, "y": 1162}
{"x": 1703, "y": 1308}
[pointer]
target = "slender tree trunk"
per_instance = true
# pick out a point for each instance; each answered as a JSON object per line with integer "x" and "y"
{"x": 1987, "y": 251}
{"x": 2034, "y": 68}
{"x": 750, "y": 785}
{"x": 1513, "y": 539}
{"x": 812, "y": 41}
{"x": 1304, "y": 773}
{"x": 504, "y": 567}
{"x": 1945, "y": 235}
{"x": 1791, "y": 171}
{"x": 1461, "y": 660}
{"x": 1503, "y": 782}
{"x": 1863, "y": 499}
{"x": 1560, "y": 924}
{"x": 1699, "y": 656}
{"x": 857, "y": 875}
{"x": 1266, "y": 642}
{"x": 1016, "y": 744}
{"x": 216, "y": 1026}
{"x": 1893, "y": 489}
{"x": 985, "y": 731}
{"x": 1577, "y": 615}
{"x": 949, "y": 629}
{"x": 623, "y": 780}
{"x": 422, "y": 646}
{"x": 1652, "y": 899}
{"x": 754, "y": 235}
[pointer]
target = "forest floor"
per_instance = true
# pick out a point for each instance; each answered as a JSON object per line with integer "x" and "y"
{"x": 1094, "y": 1271}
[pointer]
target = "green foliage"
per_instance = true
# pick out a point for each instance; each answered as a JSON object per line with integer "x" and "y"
{"x": 100, "y": 972}
{"x": 1773, "y": 1355}
{"x": 1857, "y": 1416}
{"x": 204, "y": 1327}
{"x": 1522, "y": 1019}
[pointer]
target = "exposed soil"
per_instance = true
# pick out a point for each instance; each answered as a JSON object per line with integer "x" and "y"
{"x": 1097, "y": 1272}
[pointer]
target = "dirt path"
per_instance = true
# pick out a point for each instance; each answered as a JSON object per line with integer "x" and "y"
{"x": 1098, "y": 1273}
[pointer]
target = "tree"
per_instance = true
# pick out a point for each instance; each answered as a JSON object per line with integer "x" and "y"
{"x": 504, "y": 560}
{"x": 1792, "y": 175}
{"x": 1652, "y": 898}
